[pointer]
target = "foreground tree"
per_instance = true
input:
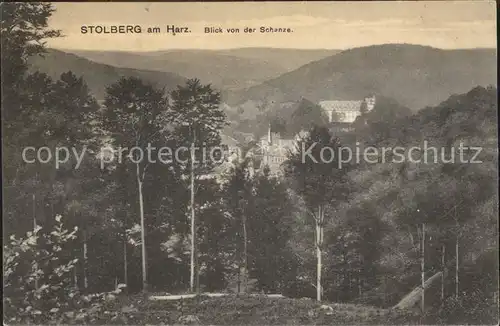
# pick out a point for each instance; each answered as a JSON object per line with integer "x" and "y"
{"x": 237, "y": 200}
{"x": 317, "y": 175}
{"x": 198, "y": 119}
{"x": 24, "y": 30}
{"x": 135, "y": 118}
{"x": 269, "y": 226}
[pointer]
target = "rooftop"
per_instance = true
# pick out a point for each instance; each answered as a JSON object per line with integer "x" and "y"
{"x": 341, "y": 106}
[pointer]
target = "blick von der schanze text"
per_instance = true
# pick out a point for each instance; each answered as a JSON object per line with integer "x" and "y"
{"x": 175, "y": 30}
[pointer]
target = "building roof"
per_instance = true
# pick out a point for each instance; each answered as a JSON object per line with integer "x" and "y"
{"x": 229, "y": 141}
{"x": 341, "y": 106}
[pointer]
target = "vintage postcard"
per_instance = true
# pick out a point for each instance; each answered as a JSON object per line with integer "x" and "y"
{"x": 257, "y": 163}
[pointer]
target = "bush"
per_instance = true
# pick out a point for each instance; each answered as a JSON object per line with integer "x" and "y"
{"x": 472, "y": 309}
{"x": 38, "y": 285}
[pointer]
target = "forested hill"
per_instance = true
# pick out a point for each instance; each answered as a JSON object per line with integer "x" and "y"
{"x": 97, "y": 75}
{"x": 472, "y": 115}
{"x": 389, "y": 203}
{"x": 225, "y": 69}
{"x": 416, "y": 76}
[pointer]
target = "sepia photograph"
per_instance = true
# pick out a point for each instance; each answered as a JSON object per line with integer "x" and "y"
{"x": 250, "y": 163}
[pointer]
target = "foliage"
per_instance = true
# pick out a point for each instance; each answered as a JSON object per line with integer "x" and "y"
{"x": 319, "y": 176}
{"x": 39, "y": 285}
{"x": 197, "y": 120}
{"x": 135, "y": 109}
{"x": 271, "y": 261}
{"x": 24, "y": 28}
{"x": 306, "y": 116}
{"x": 255, "y": 310}
{"x": 371, "y": 213}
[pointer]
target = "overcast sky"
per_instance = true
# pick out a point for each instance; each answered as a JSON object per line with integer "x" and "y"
{"x": 319, "y": 25}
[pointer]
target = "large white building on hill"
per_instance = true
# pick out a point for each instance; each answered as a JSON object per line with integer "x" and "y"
{"x": 346, "y": 111}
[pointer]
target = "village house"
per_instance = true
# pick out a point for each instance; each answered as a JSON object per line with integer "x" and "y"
{"x": 272, "y": 149}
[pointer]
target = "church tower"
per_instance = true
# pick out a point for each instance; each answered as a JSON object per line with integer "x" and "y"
{"x": 269, "y": 135}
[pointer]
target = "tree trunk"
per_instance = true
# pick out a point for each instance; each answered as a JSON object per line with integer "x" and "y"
{"x": 245, "y": 256}
{"x": 143, "y": 232}
{"x": 360, "y": 286}
{"x": 410, "y": 235}
{"x": 125, "y": 264}
{"x": 318, "y": 279}
{"x": 75, "y": 278}
{"x": 193, "y": 225}
{"x": 34, "y": 228}
{"x": 350, "y": 285}
{"x": 456, "y": 268}
{"x": 423, "y": 267}
{"x": 385, "y": 290}
{"x": 197, "y": 265}
{"x": 319, "y": 242}
{"x": 238, "y": 282}
{"x": 443, "y": 267}
{"x": 85, "y": 281}
{"x": 457, "y": 227}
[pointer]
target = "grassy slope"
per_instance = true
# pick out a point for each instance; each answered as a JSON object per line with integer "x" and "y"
{"x": 244, "y": 310}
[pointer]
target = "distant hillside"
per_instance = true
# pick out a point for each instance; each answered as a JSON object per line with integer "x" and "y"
{"x": 227, "y": 69}
{"x": 415, "y": 76}
{"x": 288, "y": 59}
{"x": 97, "y": 75}
{"x": 222, "y": 70}
{"x": 470, "y": 117}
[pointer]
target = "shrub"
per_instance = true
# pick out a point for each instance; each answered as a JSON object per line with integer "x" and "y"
{"x": 473, "y": 309}
{"x": 38, "y": 285}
